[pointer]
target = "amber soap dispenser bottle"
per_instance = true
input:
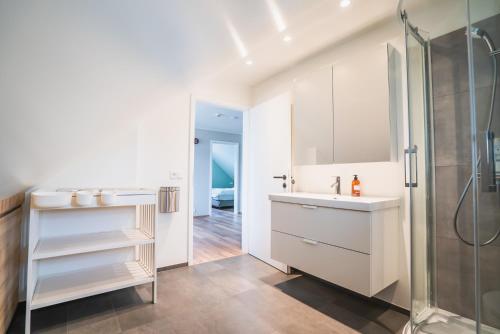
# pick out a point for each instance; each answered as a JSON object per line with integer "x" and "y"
{"x": 356, "y": 187}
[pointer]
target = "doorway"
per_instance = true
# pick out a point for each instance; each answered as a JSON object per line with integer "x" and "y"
{"x": 224, "y": 175}
{"x": 216, "y": 182}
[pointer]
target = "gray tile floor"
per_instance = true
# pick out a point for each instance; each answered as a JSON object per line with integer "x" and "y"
{"x": 234, "y": 295}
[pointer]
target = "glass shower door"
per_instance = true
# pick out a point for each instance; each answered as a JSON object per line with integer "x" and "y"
{"x": 454, "y": 133}
{"x": 484, "y": 40}
{"x": 418, "y": 174}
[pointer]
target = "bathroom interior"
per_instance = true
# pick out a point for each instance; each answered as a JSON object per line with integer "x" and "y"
{"x": 369, "y": 138}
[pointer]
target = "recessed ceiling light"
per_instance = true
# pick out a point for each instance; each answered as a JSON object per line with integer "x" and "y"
{"x": 287, "y": 38}
{"x": 345, "y": 3}
{"x": 219, "y": 115}
{"x": 249, "y": 62}
{"x": 277, "y": 16}
{"x": 235, "y": 117}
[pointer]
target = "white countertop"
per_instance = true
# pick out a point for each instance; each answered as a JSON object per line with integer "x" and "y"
{"x": 363, "y": 203}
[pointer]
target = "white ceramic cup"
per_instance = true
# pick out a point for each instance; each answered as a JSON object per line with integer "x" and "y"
{"x": 108, "y": 197}
{"x": 51, "y": 199}
{"x": 84, "y": 198}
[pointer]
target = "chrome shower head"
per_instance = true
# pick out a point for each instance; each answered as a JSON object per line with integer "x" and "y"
{"x": 479, "y": 33}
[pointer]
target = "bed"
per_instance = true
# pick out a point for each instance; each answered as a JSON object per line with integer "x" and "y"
{"x": 222, "y": 197}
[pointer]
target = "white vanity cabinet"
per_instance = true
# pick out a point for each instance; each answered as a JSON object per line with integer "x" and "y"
{"x": 351, "y": 242}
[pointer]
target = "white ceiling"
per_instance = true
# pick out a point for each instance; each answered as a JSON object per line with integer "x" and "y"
{"x": 193, "y": 40}
{"x": 313, "y": 25}
{"x": 228, "y": 120}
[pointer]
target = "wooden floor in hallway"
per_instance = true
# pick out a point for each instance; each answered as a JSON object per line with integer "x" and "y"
{"x": 217, "y": 236}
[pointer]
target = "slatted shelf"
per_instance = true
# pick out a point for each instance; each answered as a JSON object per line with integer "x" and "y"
{"x": 72, "y": 285}
{"x": 90, "y": 242}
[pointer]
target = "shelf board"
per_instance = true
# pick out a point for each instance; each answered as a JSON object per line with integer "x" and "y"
{"x": 72, "y": 285}
{"x": 90, "y": 242}
{"x": 122, "y": 200}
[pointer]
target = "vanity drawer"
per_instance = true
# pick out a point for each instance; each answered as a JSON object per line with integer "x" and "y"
{"x": 340, "y": 266}
{"x": 344, "y": 228}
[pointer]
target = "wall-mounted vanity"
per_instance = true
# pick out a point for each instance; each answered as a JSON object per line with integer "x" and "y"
{"x": 351, "y": 242}
{"x": 343, "y": 113}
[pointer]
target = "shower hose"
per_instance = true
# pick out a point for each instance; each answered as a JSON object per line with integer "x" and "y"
{"x": 484, "y": 36}
{"x": 455, "y": 218}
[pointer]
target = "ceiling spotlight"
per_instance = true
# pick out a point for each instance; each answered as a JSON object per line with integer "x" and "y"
{"x": 287, "y": 38}
{"x": 345, "y": 3}
{"x": 249, "y": 62}
{"x": 219, "y": 115}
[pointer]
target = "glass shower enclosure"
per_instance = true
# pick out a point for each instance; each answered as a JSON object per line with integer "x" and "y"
{"x": 452, "y": 167}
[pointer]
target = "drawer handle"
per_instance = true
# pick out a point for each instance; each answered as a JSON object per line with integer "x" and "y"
{"x": 309, "y": 206}
{"x": 310, "y": 242}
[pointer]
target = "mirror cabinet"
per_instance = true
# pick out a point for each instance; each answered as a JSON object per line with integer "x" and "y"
{"x": 344, "y": 113}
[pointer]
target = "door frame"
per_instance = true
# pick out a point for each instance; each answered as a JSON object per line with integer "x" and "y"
{"x": 237, "y": 182}
{"x": 244, "y": 168}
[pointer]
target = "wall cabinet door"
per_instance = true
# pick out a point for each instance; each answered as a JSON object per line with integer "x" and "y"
{"x": 313, "y": 118}
{"x": 362, "y": 120}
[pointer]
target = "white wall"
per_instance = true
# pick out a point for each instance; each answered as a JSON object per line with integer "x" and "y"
{"x": 163, "y": 148}
{"x": 82, "y": 104}
{"x": 202, "y": 167}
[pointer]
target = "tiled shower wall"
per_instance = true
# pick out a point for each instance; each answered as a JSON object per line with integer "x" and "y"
{"x": 455, "y": 260}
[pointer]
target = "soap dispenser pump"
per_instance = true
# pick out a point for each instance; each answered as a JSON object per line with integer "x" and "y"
{"x": 356, "y": 187}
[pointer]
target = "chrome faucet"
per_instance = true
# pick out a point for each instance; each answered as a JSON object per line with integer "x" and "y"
{"x": 336, "y": 184}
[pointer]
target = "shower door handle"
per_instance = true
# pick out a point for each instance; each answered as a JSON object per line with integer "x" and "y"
{"x": 488, "y": 162}
{"x": 408, "y": 154}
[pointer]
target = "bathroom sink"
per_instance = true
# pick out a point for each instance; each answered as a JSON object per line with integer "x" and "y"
{"x": 51, "y": 199}
{"x": 363, "y": 203}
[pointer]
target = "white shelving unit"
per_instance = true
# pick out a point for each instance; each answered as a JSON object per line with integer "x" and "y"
{"x": 76, "y": 252}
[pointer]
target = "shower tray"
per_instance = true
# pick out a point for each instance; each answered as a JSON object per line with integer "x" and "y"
{"x": 443, "y": 322}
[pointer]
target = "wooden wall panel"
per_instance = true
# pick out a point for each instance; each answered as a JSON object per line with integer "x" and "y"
{"x": 10, "y": 203}
{"x": 10, "y": 257}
